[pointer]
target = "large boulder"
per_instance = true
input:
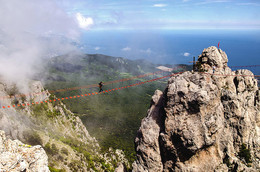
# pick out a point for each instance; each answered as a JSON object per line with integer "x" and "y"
{"x": 16, "y": 156}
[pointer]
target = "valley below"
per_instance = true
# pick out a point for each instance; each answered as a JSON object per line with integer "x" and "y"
{"x": 112, "y": 118}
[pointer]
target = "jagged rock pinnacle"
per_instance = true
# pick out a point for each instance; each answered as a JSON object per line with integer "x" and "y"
{"x": 215, "y": 57}
{"x": 207, "y": 122}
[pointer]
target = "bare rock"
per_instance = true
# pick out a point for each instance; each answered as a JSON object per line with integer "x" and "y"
{"x": 147, "y": 141}
{"x": 120, "y": 168}
{"x": 16, "y": 156}
{"x": 215, "y": 57}
{"x": 204, "y": 121}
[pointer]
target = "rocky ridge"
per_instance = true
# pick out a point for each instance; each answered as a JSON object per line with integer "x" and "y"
{"x": 205, "y": 120}
{"x": 60, "y": 132}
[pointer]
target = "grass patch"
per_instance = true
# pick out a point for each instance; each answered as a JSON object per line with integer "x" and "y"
{"x": 52, "y": 169}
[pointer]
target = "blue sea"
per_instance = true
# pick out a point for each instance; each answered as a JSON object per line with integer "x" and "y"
{"x": 175, "y": 46}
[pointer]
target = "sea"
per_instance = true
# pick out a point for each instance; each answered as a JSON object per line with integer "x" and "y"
{"x": 176, "y": 46}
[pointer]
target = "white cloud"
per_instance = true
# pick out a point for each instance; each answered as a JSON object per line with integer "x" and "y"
{"x": 249, "y": 4}
{"x": 147, "y": 51}
{"x": 212, "y": 1}
{"x": 84, "y": 22}
{"x": 30, "y": 31}
{"x": 159, "y": 5}
{"x": 97, "y": 48}
{"x": 126, "y": 49}
{"x": 186, "y": 54}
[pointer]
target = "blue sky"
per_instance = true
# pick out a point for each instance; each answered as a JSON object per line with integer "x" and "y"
{"x": 164, "y": 14}
{"x": 49, "y": 27}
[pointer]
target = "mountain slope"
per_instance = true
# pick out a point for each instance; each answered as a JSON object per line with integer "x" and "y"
{"x": 60, "y": 132}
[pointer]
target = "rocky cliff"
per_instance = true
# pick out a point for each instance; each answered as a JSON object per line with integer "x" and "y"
{"x": 205, "y": 120}
{"x": 16, "y": 156}
{"x": 50, "y": 124}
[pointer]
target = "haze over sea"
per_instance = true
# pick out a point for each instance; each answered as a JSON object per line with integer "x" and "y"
{"x": 175, "y": 46}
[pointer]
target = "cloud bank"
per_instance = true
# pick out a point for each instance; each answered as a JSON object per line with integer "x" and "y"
{"x": 31, "y": 30}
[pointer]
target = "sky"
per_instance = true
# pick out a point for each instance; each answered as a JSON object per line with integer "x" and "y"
{"x": 164, "y": 14}
{"x": 31, "y": 30}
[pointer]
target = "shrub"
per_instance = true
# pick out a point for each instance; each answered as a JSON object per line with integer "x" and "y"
{"x": 64, "y": 151}
{"x": 54, "y": 149}
{"x": 32, "y": 138}
{"x": 244, "y": 153}
{"x": 51, "y": 149}
{"x": 47, "y": 148}
{"x": 75, "y": 165}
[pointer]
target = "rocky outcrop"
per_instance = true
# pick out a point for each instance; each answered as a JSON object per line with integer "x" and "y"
{"x": 16, "y": 156}
{"x": 147, "y": 140}
{"x": 204, "y": 121}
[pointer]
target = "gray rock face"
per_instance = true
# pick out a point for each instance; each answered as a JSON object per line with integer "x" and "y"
{"x": 16, "y": 156}
{"x": 203, "y": 121}
{"x": 147, "y": 140}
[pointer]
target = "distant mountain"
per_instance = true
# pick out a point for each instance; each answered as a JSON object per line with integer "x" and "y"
{"x": 73, "y": 63}
{"x": 98, "y": 66}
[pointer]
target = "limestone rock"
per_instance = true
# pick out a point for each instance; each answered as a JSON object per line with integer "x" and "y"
{"x": 147, "y": 140}
{"x": 120, "y": 168}
{"x": 214, "y": 57}
{"x": 16, "y": 156}
{"x": 203, "y": 121}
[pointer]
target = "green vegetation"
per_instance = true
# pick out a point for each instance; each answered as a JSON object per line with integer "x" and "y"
{"x": 76, "y": 166}
{"x": 32, "y": 138}
{"x": 51, "y": 149}
{"x": 52, "y": 169}
{"x": 42, "y": 111}
{"x": 244, "y": 153}
{"x": 87, "y": 151}
{"x": 64, "y": 151}
{"x": 113, "y": 117}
